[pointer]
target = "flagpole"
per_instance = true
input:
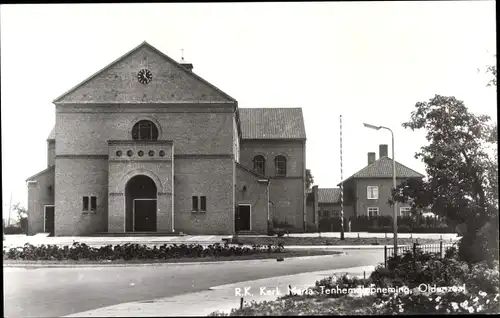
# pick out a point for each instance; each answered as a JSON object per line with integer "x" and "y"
{"x": 341, "y": 187}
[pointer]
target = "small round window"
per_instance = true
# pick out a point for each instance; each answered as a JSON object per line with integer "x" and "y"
{"x": 130, "y": 153}
{"x": 140, "y": 153}
{"x": 119, "y": 153}
{"x": 151, "y": 153}
{"x": 162, "y": 153}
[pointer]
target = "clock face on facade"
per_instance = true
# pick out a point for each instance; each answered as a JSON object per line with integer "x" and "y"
{"x": 144, "y": 76}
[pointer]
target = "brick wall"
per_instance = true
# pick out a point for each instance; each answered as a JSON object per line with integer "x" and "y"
{"x": 75, "y": 178}
{"x": 255, "y": 194}
{"x": 38, "y": 197}
{"x": 286, "y": 193}
{"x": 384, "y": 193}
{"x": 51, "y": 152}
{"x": 119, "y": 82}
{"x": 213, "y": 178}
{"x": 203, "y": 131}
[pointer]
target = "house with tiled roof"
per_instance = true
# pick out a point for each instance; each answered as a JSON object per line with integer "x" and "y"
{"x": 147, "y": 145}
{"x": 366, "y": 192}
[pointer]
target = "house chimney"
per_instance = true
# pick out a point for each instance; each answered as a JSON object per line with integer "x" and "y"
{"x": 188, "y": 66}
{"x": 371, "y": 157}
{"x": 382, "y": 150}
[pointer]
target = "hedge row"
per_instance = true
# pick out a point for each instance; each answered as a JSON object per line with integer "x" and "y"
{"x": 81, "y": 251}
{"x": 381, "y": 224}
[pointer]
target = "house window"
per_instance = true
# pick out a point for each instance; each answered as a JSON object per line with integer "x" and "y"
{"x": 259, "y": 164}
{"x": 326, "y": 213}
{"x": 145, "y": 130}
{"x": 195, "y": 203}
{"x": 372, "y": 192}
{"x": 85, "y": 203}
{"x": 203, "y": 204}
{"x": 405, "y": 211}
{"x": 280, "y": 165}
{"x": 372, "y": 212}
{"x": 335, "y": 214}
{"x": 49, "y": 191}
{"x": 93, "y": 203}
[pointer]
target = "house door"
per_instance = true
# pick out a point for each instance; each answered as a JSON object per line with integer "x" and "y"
{"x": 48, "y": 224}
{"x": 145, "y": 215}
{"x": 242, "y": 220}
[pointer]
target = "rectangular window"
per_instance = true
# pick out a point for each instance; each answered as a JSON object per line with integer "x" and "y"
{"x": 195, "y": 203}
{"x": 203, "y": 204}
{"x": 372, "y": 212}
{"x": 372, "y": 192}
{"x": 49, "y": 191}
{"x": 405, "y": 211}
{"x": 326, "y": 214}
{"x": 93, "y": 203}
{"x": 85, "y": 203}
{"x": 336, "y": 213}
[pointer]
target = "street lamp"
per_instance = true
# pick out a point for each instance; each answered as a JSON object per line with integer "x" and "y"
{"x": 395, "y": 215}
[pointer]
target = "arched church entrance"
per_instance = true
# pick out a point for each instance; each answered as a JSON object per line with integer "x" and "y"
{"x": 140, "y": 204}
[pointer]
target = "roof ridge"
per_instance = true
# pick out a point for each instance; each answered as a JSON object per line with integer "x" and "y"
{"x": 40, "y": 173}
{"x": 270, "y": 107}
{"x": 377, "y": 161}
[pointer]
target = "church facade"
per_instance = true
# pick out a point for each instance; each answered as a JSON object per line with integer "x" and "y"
{"x": 147, "y": 145}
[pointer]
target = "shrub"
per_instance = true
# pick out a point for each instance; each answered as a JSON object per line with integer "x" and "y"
{"x": 334, "y": 283}
{"x": 11, "y": 229}
{"x": 79, "y": 251}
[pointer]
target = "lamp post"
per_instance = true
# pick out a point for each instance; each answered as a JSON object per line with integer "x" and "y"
{"x": 395, "y": 214}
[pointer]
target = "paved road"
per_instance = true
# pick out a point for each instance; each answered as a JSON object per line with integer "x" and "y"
{"x": 55, "y": 292}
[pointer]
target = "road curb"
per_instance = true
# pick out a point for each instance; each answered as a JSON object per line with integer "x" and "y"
{"x": 55, "y": 265}
{"x": 324, "y": 273}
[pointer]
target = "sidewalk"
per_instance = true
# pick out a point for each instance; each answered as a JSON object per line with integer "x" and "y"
{"x": 222, "y": 298}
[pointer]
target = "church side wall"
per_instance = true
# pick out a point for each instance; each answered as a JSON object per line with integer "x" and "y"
{"x": 38, "y": 197}
{"x": 287, "y": 194}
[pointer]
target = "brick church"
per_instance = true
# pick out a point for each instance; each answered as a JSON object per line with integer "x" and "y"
{"x": 147, "y": 145}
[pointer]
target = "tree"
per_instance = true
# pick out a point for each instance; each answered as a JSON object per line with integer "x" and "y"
{"x": 460, "y": 185}
{"x": 20, "y": 213}
{"x": 492, "y": 69}
{"x": 309, "y": 179}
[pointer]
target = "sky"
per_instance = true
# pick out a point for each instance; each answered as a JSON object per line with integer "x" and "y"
{"x": 367, "y": 61}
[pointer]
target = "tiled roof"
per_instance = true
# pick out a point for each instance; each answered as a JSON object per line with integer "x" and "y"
{"x": 272, "y": 123}
{"x": 329, "y": 195}
{"x": 382, "y": 168}
{"x": 52, "y": 135}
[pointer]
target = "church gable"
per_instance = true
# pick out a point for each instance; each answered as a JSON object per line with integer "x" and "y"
{"x": 169, "y": 82}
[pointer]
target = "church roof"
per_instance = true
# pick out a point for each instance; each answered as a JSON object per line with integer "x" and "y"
{"x": 272, "y": 123}
{"x": 328, "y": 195}
{"x": 40, "y": 173}
{"x": 382, "y": 169}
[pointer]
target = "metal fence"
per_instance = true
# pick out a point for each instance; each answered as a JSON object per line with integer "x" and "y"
{"x": 439, "y": 249}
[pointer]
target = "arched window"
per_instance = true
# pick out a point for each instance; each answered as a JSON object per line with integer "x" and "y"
{"x": 145, "y": 130}
{"x": 259, "y": 164}
{"x": 280, "y": 166}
